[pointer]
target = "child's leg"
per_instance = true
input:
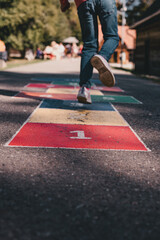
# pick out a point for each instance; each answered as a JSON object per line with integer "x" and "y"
{"x": 108, "y": 19}
{"x": 89, "y": 27}
{"x": 107, "y": 13}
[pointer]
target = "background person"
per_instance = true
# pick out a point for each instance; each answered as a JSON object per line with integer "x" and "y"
{"x": 39, "y": 53}
{"x": 61, "y": 50}
{"x": 29, "y": 54}
{"x": 55, "y": 50}
{"x": 2, "y": 46}
{"x": 48, "y": 52}
{"x": 68, "y": 50}
{"x": 74, "y": 50}
{"x": 3, "y": 52}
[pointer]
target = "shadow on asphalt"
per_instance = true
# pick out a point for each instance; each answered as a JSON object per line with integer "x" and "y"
{"x": 76, "y": 198}
{"x": 8, "y": 92}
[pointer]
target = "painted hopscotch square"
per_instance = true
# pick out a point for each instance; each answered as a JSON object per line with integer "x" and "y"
{"x": 57, "y": 81}
{"x": 51, "y": 79}
{"x": 74, "y": 105}
{"x": 71, "y": 86}
{"x": 77, "y": 137}
{"x": 49, "y": 85}
{"x": 72, "y": 91}
{"x": 44, "y": 95}
{"x": 63, "y": 90}
{"x": 107, "y": 89}
{"x": 79, "y": 116}
{"x": 65, "y": 83}
{"x": 115, "y": 99}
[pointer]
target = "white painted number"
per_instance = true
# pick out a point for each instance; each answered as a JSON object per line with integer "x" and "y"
{"x": 108, "y": 98}
{"x": 76, "y": 104}
{"x": 80, "y": 135}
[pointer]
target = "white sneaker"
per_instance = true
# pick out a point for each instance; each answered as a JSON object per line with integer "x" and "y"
{"x": 105, "y": 74}
{"x": 84, "y": 95}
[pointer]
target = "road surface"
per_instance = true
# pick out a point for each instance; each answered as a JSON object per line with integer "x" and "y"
{"x": 64, "y": 190}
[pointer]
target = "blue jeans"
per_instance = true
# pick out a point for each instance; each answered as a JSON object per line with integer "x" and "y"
{"x": 88, "y": 12}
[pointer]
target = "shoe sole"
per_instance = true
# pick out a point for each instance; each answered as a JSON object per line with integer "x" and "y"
{"x": 105, "y": 75}
{"x": 83, "y": 100}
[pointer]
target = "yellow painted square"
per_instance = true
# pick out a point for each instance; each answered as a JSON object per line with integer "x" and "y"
{"x": 63, "y": 90}
{"x": 87, "y": 117}
{"x": 71, "y": 91}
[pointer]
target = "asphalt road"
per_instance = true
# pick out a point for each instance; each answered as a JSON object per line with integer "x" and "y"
{"x": 69, "y": 194}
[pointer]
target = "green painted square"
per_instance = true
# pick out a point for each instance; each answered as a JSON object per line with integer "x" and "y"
{"x": 66, "y": 83}
{"x": 115, "y": 99}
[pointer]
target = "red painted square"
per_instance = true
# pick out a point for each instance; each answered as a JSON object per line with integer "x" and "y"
{"x": 48, "y": 85}
{"x": 107, "y": 89}
{"x": 40, "y": 85}
{"x": 77, "y": 136}
{"x": 45, "y": 85}
{"x": 44, "y": 95}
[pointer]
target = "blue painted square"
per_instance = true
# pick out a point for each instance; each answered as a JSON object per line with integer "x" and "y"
{"x": 74, "y": 105}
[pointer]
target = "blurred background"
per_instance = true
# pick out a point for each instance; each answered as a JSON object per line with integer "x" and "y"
{"x": 36, "y": 30}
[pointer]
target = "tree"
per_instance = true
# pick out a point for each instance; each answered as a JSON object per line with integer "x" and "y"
{"x": 28, "y": 23}
{"x": 135, "y": 9}
{"x": 74, "y": 21}
{"x": 135, "y": 12}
